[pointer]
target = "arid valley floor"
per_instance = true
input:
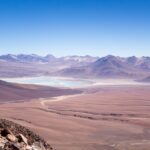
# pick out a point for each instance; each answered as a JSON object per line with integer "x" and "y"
{"x": 102, "y": 118}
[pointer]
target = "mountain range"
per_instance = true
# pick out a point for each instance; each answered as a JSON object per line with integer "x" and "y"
{"x": 33, "y": 58}
{"x": 74, "y": 66}
{"x": 112, "y": 67}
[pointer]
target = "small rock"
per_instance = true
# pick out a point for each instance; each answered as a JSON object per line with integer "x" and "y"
{"x": 10, "y": 146}
{"x": 38, "y": 146}
{"x": 2, "y": 142}
{"x": 28, "y": 147}
{"x": 21, "y": 138}
{"x": 11, "y": 138}
{"x": 2, "y": 145}
{"x": 20, "y": 146}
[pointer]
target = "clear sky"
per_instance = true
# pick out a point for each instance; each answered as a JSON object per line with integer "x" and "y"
{"x": 81, "y": 27}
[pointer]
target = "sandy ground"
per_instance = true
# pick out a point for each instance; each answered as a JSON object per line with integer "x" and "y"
{"x": 106, "y": 118}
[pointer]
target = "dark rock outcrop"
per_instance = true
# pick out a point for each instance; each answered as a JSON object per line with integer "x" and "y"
{"x": 16, "y": 137}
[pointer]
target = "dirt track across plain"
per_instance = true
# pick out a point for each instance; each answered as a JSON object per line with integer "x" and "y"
{"x": 113, "y": 118}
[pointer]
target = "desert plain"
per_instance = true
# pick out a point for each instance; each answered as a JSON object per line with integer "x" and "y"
{"x": 98, "y": 118}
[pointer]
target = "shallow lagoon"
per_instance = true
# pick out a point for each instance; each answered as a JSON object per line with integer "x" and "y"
{"x": 51, "y": 81}
{"x": 71, "y": 82}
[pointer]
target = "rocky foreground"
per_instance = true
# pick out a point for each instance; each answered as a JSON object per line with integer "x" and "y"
{"x": 16, "y": 137}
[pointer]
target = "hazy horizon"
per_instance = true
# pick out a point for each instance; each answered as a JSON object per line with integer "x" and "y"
{"x": 44, "y": 55}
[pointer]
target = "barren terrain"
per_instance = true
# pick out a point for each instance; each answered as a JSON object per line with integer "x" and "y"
{"x": 106, "y": 118}
{"x": 10, "y": 92}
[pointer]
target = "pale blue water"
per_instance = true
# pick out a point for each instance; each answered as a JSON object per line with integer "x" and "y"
{"x": 51, "y": 81}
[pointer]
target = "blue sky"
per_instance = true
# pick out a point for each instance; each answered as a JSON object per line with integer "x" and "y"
{"x": 75, "y": 27}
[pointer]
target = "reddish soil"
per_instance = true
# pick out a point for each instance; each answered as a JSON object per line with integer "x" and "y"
{"x": 113, "y": 118}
